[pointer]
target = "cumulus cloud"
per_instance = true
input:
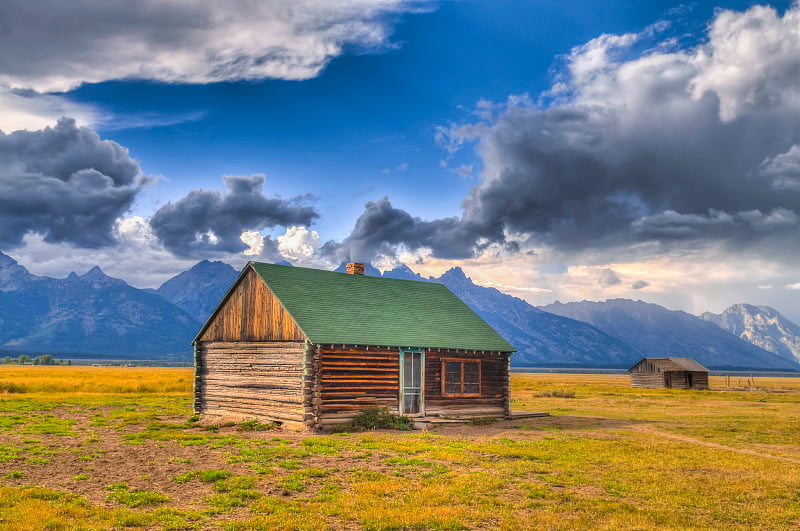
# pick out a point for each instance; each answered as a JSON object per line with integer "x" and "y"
{"x": 254, "y": 242}
{"x": 210, "y": 222}
{"x": 640, "y": 284}
{"x": 654, "y": 146}
{"x": 750, "y": 61}
{"x": 608, "y": 277}
{"x": 53, "y": 46}
{"x": 65, "y": 184}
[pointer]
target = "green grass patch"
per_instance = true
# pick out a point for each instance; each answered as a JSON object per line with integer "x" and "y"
{"x": 209, "y": 476}
{"x": 121, "y": 493}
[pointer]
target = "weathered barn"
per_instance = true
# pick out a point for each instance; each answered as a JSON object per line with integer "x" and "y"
{"x": 313, "y": 348}
{"x": 672, "y": 373}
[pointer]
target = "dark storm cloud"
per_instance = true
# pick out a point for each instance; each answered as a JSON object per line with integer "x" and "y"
{"x": 64, "y": 183}
{"x": 382, "y": 228}
{"x": 208, "y": 221}
{"x": 661, "y": 148}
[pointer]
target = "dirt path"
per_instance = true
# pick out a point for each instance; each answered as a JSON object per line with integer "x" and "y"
{"x": 652, "y": 431}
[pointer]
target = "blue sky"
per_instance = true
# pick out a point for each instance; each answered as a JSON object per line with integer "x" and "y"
{"x": 365, "y": 126}
{"x": 478, "y": 121}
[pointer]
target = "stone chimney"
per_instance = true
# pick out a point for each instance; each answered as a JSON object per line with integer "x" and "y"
{"x": 355, "y": 268}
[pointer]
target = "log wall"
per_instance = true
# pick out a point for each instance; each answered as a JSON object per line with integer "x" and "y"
{"x": 699, "y": 380}
{"x": 251, "y": 313}
{"x": 647, "y": 380}
{"x": 494, "y": 397}
{"x": 351, "y": 379}
{"x": 246, "y": 380}
{"x": 670, "y": 379}
{"x": 313, "y": 386}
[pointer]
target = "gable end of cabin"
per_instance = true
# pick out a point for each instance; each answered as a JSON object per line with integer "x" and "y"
{"x": 250, "y": 358}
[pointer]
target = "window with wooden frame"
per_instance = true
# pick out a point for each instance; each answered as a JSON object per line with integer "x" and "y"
{"x": 461, "y": 377}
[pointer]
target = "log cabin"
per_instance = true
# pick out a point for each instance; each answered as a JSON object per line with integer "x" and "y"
{"x": 309, "y": 349}
{"x": 670, "y": 373}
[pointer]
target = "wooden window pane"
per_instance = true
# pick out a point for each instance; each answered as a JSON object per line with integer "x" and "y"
{"x": 472, "y": 374}
{"x": 471, "y": 388}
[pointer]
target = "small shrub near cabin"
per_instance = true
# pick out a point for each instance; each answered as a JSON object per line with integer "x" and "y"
{"x": 376, "y": 418}
{"x": 255, "y": 425}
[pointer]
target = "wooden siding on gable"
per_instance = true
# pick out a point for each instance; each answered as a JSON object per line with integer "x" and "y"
{"x": 252, "y": 313}
{"x": 645, "y": 366}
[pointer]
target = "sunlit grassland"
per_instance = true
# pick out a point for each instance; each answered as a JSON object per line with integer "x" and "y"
{"x": 74, "y": 380}
{"x": 100, "y": 448}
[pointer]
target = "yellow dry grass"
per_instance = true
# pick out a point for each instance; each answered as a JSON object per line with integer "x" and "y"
{"x": 94, "y": 380}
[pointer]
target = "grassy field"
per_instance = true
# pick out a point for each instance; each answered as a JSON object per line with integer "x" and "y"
{"x": 117, "y": 448}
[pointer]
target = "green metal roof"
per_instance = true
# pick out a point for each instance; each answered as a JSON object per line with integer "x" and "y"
{"x": 338, "y": 308}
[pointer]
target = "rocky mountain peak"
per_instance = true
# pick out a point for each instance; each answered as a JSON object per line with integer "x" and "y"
{"x": 761, "y": 326}
{"x": 404, "y": 272}
{"x": 12, "y": 275}
{"x": 455, "y": 275}
{"x": 95, "y": 274}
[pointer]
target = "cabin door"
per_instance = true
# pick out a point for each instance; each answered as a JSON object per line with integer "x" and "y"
{"x": 412, "y": 369}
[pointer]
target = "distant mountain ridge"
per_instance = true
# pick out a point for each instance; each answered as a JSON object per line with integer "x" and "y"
{"x": 94, "y": 313}
{"x": 762, "y": 326}
{"x": 659, "y": 332}
{"x": 91, "y": 313}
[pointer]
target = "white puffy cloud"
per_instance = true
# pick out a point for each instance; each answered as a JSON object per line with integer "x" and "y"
{"x": 298, "y": 244}
{"x": 254, "y": 242}
{"x": 750, "y": 61}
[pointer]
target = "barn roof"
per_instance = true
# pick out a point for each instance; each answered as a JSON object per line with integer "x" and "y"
{"x": 339, "y": 308}
{"x": 674, "y": 364}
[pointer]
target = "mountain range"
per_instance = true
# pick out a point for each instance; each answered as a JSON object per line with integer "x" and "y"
{"x": 96, "y": 314}
{"x": 89, "y": 313}
{"x": 659, "y": 332}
